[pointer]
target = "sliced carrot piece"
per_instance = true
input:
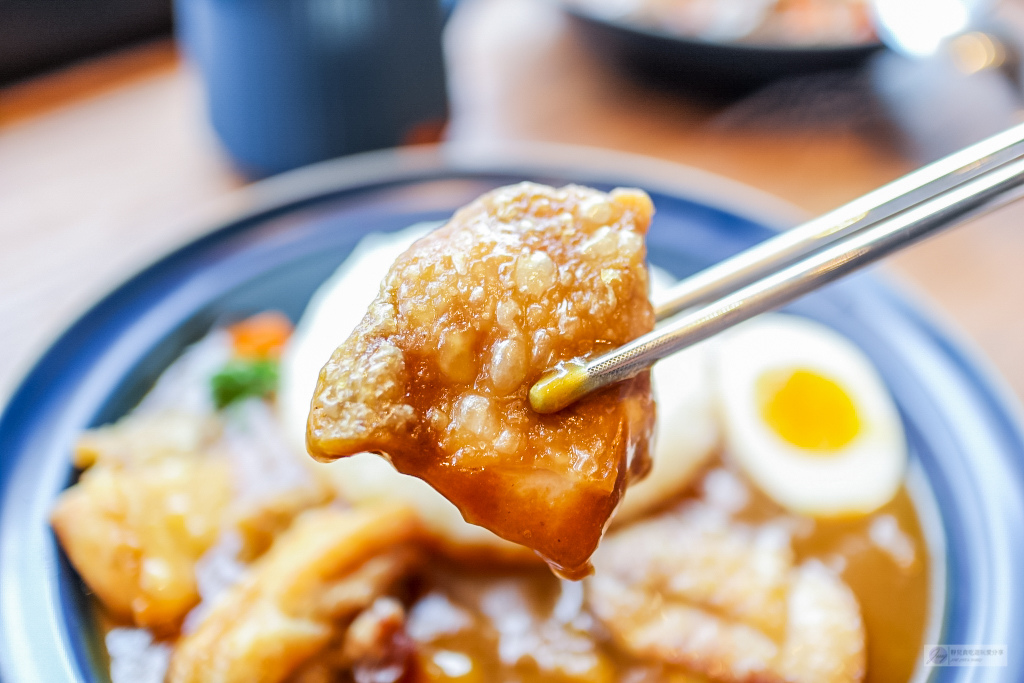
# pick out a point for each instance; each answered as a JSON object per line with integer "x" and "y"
{"x": 261, "y": 336}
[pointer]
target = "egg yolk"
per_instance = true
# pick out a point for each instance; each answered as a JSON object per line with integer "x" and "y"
{"x": 808, "y": 410}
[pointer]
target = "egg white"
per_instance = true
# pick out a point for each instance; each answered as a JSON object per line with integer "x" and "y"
{"x": 854, "y": 479}
{"x": 687, "y": 431}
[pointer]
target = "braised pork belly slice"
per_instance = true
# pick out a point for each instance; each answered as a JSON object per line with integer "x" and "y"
{"x": 436, "y": 376}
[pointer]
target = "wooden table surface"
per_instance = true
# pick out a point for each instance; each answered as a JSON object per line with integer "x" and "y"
{"x": 104, "y": 166}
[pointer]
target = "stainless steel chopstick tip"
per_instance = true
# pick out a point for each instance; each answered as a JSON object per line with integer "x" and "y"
{"x": 560, "y": 387}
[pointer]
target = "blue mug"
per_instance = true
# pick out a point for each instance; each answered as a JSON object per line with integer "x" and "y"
{"x": 291, "y": 82}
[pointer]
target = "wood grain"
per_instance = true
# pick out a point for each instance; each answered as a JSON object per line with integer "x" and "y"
{"x": 85, "y": 80}
{"x": 90, "y": 192}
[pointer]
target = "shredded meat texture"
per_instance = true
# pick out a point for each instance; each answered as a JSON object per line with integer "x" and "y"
{"x": 138, "y": 519}
{"x": 437, "y": 374}
{"x": 301, "y": 596}
{"x": 693, "y": 589}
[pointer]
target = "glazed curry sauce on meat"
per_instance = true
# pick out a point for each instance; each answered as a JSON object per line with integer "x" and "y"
{"x": 436, "y": 377}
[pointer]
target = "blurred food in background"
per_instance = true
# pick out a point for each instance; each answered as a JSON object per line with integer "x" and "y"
{"x": 727, "y": 49}
{"x": 771, "y": 22}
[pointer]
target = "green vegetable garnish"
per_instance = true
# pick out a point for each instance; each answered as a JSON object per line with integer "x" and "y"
{"x": 243, "y": 379}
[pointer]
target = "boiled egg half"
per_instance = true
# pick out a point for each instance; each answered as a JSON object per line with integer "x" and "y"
{"x": 808, "y": 418}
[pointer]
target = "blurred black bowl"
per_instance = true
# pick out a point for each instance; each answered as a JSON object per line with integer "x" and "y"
{"x": 718, "y": 69}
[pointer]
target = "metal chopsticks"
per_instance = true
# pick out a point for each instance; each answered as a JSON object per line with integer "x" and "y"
{"x": 888, "y": 200}
{"x": 970, "y": 182}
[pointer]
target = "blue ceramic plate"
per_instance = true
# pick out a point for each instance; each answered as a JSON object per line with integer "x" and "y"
{"x": 967, "y": 444}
